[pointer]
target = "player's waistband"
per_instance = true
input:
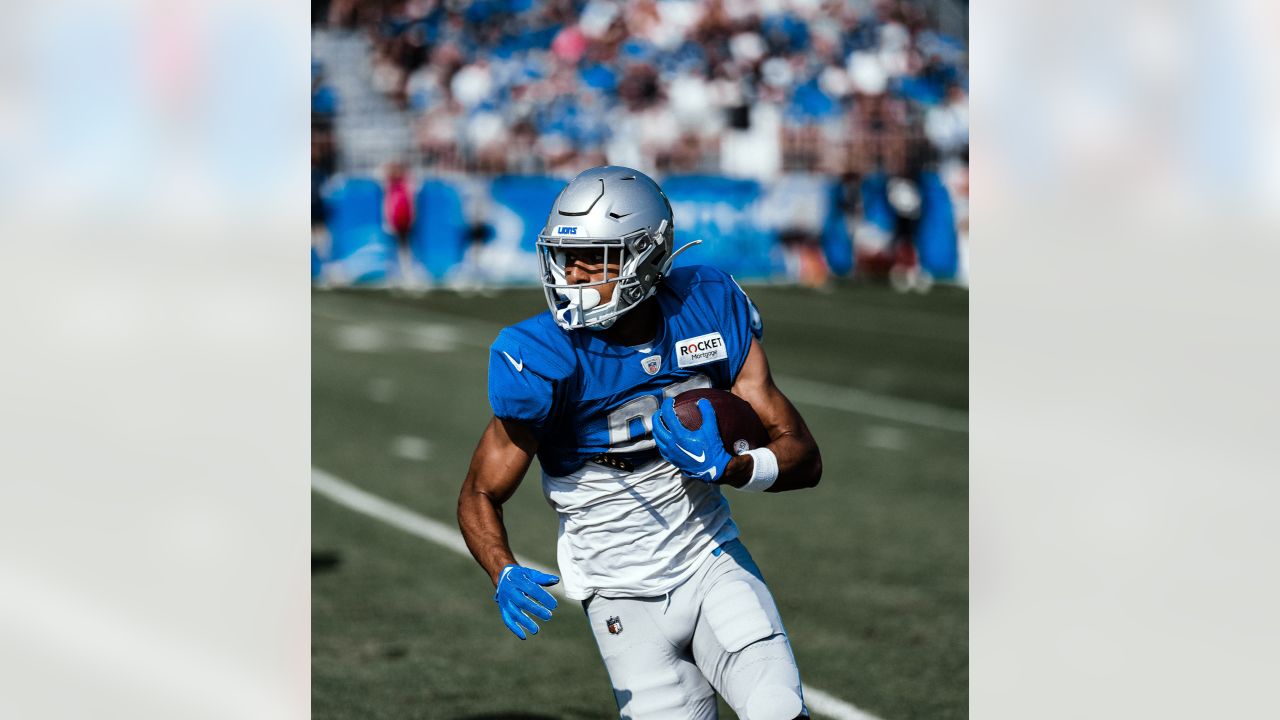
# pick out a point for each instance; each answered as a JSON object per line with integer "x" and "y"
{"x": 626, "y": 462}
{"x": 733, "y": 548}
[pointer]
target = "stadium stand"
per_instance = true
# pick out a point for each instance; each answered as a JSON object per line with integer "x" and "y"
{"x": 852, "y": 90}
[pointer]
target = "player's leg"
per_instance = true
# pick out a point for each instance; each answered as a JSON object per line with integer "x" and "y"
{"x": 651, "y": 669}
{"x": 740, "y": 643}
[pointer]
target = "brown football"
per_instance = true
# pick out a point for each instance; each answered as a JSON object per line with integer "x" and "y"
{"x": 740, "y": 427}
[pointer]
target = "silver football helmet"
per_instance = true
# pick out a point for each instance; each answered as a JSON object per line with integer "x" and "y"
{"x": 622, "y": 214}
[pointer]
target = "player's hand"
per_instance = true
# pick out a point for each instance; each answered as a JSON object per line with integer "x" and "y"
{"x": 697, "y": 453}
{"x": 519, "y": 595}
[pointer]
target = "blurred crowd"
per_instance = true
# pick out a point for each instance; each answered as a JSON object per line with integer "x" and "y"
{"x": 739, "y": 87}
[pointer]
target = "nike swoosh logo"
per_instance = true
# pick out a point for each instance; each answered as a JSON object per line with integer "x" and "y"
{"x": 696, "y": 458}
{"x": 519, "y": 366}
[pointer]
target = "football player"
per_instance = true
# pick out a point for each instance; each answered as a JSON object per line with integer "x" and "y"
{"x": 646, "y": 542}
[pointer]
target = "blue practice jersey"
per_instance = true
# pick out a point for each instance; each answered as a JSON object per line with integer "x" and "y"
{"x": 584, "y": 395}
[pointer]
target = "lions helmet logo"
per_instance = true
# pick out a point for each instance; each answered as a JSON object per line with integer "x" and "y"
{"x": 614, "y": 624}
{"x": 652, "y": 364}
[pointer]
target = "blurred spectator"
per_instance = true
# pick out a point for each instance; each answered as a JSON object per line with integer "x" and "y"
{"x": 947, "y": 124}
{"x": 323, "y": 163}
{"x": 398, "y": 218}
{"x": 324, "y": 100}
{"x": 907, "y": 203}
{"x": 320, "y": 241}
{"x": 665, "y": 85}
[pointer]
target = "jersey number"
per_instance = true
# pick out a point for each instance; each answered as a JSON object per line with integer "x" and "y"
{"x": 642, "y": 409}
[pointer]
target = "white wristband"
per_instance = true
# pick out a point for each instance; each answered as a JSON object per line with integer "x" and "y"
{"x": 764, "y": 470}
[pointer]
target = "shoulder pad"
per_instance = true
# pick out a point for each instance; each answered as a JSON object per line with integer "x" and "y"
{"x": 682, "y": 278}
{"x": 539, "y": 345}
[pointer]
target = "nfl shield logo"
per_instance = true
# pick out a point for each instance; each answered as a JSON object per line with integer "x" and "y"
{"x": 652, "y": 364}
{"x": 614, "y": 625}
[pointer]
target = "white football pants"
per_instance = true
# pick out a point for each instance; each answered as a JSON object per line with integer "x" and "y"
{"x": 719, "y": 631}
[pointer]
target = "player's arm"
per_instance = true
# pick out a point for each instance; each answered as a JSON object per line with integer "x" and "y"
{"x": 799, "y": 462}
{"x": 790, "y": 461}
{"x": 498, "y": 465}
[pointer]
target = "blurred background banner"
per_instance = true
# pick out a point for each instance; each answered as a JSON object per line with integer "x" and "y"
{"x": 745, "y": 227}
{"x": 752, "y": 230}
{"x": 742, "y": 224}
{"x": 727, "y": 215}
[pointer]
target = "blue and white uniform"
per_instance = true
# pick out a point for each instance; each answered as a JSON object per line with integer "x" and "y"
{"x": 645, "y": 530}
{"x": 677, "y": 606}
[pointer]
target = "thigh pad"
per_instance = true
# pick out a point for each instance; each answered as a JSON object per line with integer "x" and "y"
{"x": 737, "y": 616}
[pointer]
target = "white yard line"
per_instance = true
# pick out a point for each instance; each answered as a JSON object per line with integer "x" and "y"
{"x": 860, "y": 402}
{"x": 479, "y": 334}
{"x": 397, "y": 516}
{"x": 828, "y": 705}
{"x": 350, "y": 496}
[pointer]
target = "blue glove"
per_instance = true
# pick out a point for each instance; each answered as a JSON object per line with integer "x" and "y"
{"x": 519, "y": 593}
{"x": 697, "y": 453}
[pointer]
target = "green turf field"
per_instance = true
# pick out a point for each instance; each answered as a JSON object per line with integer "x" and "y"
{"x": 869, "y": 568}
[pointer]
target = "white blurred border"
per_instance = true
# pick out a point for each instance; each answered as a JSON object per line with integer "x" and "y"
{"x": 155, "y": 440}
{"x": 1126, "y": 220}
